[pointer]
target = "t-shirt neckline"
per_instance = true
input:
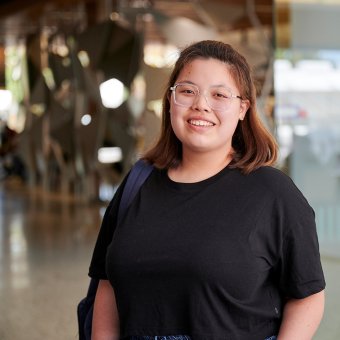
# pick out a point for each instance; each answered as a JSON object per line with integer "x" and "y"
{"x": 194, "y": 185}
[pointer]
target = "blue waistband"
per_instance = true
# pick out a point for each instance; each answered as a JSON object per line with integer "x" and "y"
{"x": 160, "y": 337}
{"x": 174, "y": 337}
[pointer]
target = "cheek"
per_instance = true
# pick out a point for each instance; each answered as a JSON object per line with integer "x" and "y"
{"x": 228, "y": 117}
{"x": 173, "y": 107}
{"x": 177, "y": 121}
{"x": 230, "y": 123}
{"x": 176, "y": 114}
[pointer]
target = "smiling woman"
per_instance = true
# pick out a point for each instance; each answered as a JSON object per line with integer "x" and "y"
{"x": 217, "y": 243}
{"x": 206, "y": 123}
{"x": 206, "y": 66}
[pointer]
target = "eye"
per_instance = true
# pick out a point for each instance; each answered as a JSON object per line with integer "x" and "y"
{"x": 220, "y": 94}
{"x": 186, "y": 90}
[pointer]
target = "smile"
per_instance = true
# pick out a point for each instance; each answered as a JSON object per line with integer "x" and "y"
{"x": 200, "y": 122}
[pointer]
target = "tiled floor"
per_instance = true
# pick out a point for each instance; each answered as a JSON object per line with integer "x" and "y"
{"x": 46, "y": 243}
{"x": 45, "y": 247}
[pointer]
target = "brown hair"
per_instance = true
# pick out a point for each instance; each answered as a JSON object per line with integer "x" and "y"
{"x": 253, "y": 145}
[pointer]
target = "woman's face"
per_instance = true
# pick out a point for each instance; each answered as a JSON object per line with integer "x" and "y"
{"x": 199, "y": 127}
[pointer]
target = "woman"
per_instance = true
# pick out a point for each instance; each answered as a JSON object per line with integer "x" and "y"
{"x": 217, "y": 244}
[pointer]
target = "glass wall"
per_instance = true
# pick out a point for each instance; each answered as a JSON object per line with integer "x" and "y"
{"x": 307, "y": 109}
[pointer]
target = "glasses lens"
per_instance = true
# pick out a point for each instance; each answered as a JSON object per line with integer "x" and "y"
{"x": 219, "y": 98}
{"x": 185, "y": 94}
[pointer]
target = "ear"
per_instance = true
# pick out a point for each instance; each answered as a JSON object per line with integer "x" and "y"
{"x": 243, "y": 108}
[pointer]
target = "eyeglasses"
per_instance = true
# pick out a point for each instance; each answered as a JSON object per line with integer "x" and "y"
{"x": 217, "y": 97}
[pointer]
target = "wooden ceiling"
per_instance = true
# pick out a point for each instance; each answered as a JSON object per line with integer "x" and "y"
{"x": 19, "y": 18}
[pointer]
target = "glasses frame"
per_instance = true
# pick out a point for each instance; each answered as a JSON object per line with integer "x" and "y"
{"x": 173, "y": 89}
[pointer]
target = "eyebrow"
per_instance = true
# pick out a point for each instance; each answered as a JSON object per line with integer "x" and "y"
{"x": 185, "y": 82}
{"x": 191, "y": 83}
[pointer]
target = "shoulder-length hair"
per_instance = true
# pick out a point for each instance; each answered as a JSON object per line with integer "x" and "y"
{"x": 253, "y": 146}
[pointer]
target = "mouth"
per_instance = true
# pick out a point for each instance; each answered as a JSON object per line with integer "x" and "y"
{"x": 198, "y": 122}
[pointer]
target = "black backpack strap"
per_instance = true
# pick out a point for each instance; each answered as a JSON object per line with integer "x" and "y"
{"x": 137, "y": 176}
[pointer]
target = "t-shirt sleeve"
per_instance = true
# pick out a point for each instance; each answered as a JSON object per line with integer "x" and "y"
{"x": 98, "y": 262}
{"x": 299, "y": 266}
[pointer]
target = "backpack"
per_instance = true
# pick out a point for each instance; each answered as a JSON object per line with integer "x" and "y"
{"x": 137, "y": 176}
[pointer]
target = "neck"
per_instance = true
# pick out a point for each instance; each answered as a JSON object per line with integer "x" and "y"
{"x": 196, "y": 167}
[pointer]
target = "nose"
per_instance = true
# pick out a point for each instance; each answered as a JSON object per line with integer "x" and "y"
{"x": 201, "y": 103}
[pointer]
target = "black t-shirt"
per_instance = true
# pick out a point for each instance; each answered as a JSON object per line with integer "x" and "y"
{"x": 214, "y": 259}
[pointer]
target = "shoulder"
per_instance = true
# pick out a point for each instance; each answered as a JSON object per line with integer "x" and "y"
{"x": 272, "y": 178}
{"x": 280, "y": 185}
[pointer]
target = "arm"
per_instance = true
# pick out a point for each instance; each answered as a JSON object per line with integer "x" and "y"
{"x": 105, "y": 324}
{"x": 301, "y": 317}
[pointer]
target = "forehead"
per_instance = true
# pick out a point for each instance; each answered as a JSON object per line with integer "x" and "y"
{"x": 207, "y": 72}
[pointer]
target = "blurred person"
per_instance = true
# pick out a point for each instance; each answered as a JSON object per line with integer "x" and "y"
{"x": 11, "y": 163}
{"x": 217, "y": 244}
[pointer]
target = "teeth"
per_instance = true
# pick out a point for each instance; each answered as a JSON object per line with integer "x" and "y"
{"x": 200, "y": 122}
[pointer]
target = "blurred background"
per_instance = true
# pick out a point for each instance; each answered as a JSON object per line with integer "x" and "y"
{"x": 81, "y": 83}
